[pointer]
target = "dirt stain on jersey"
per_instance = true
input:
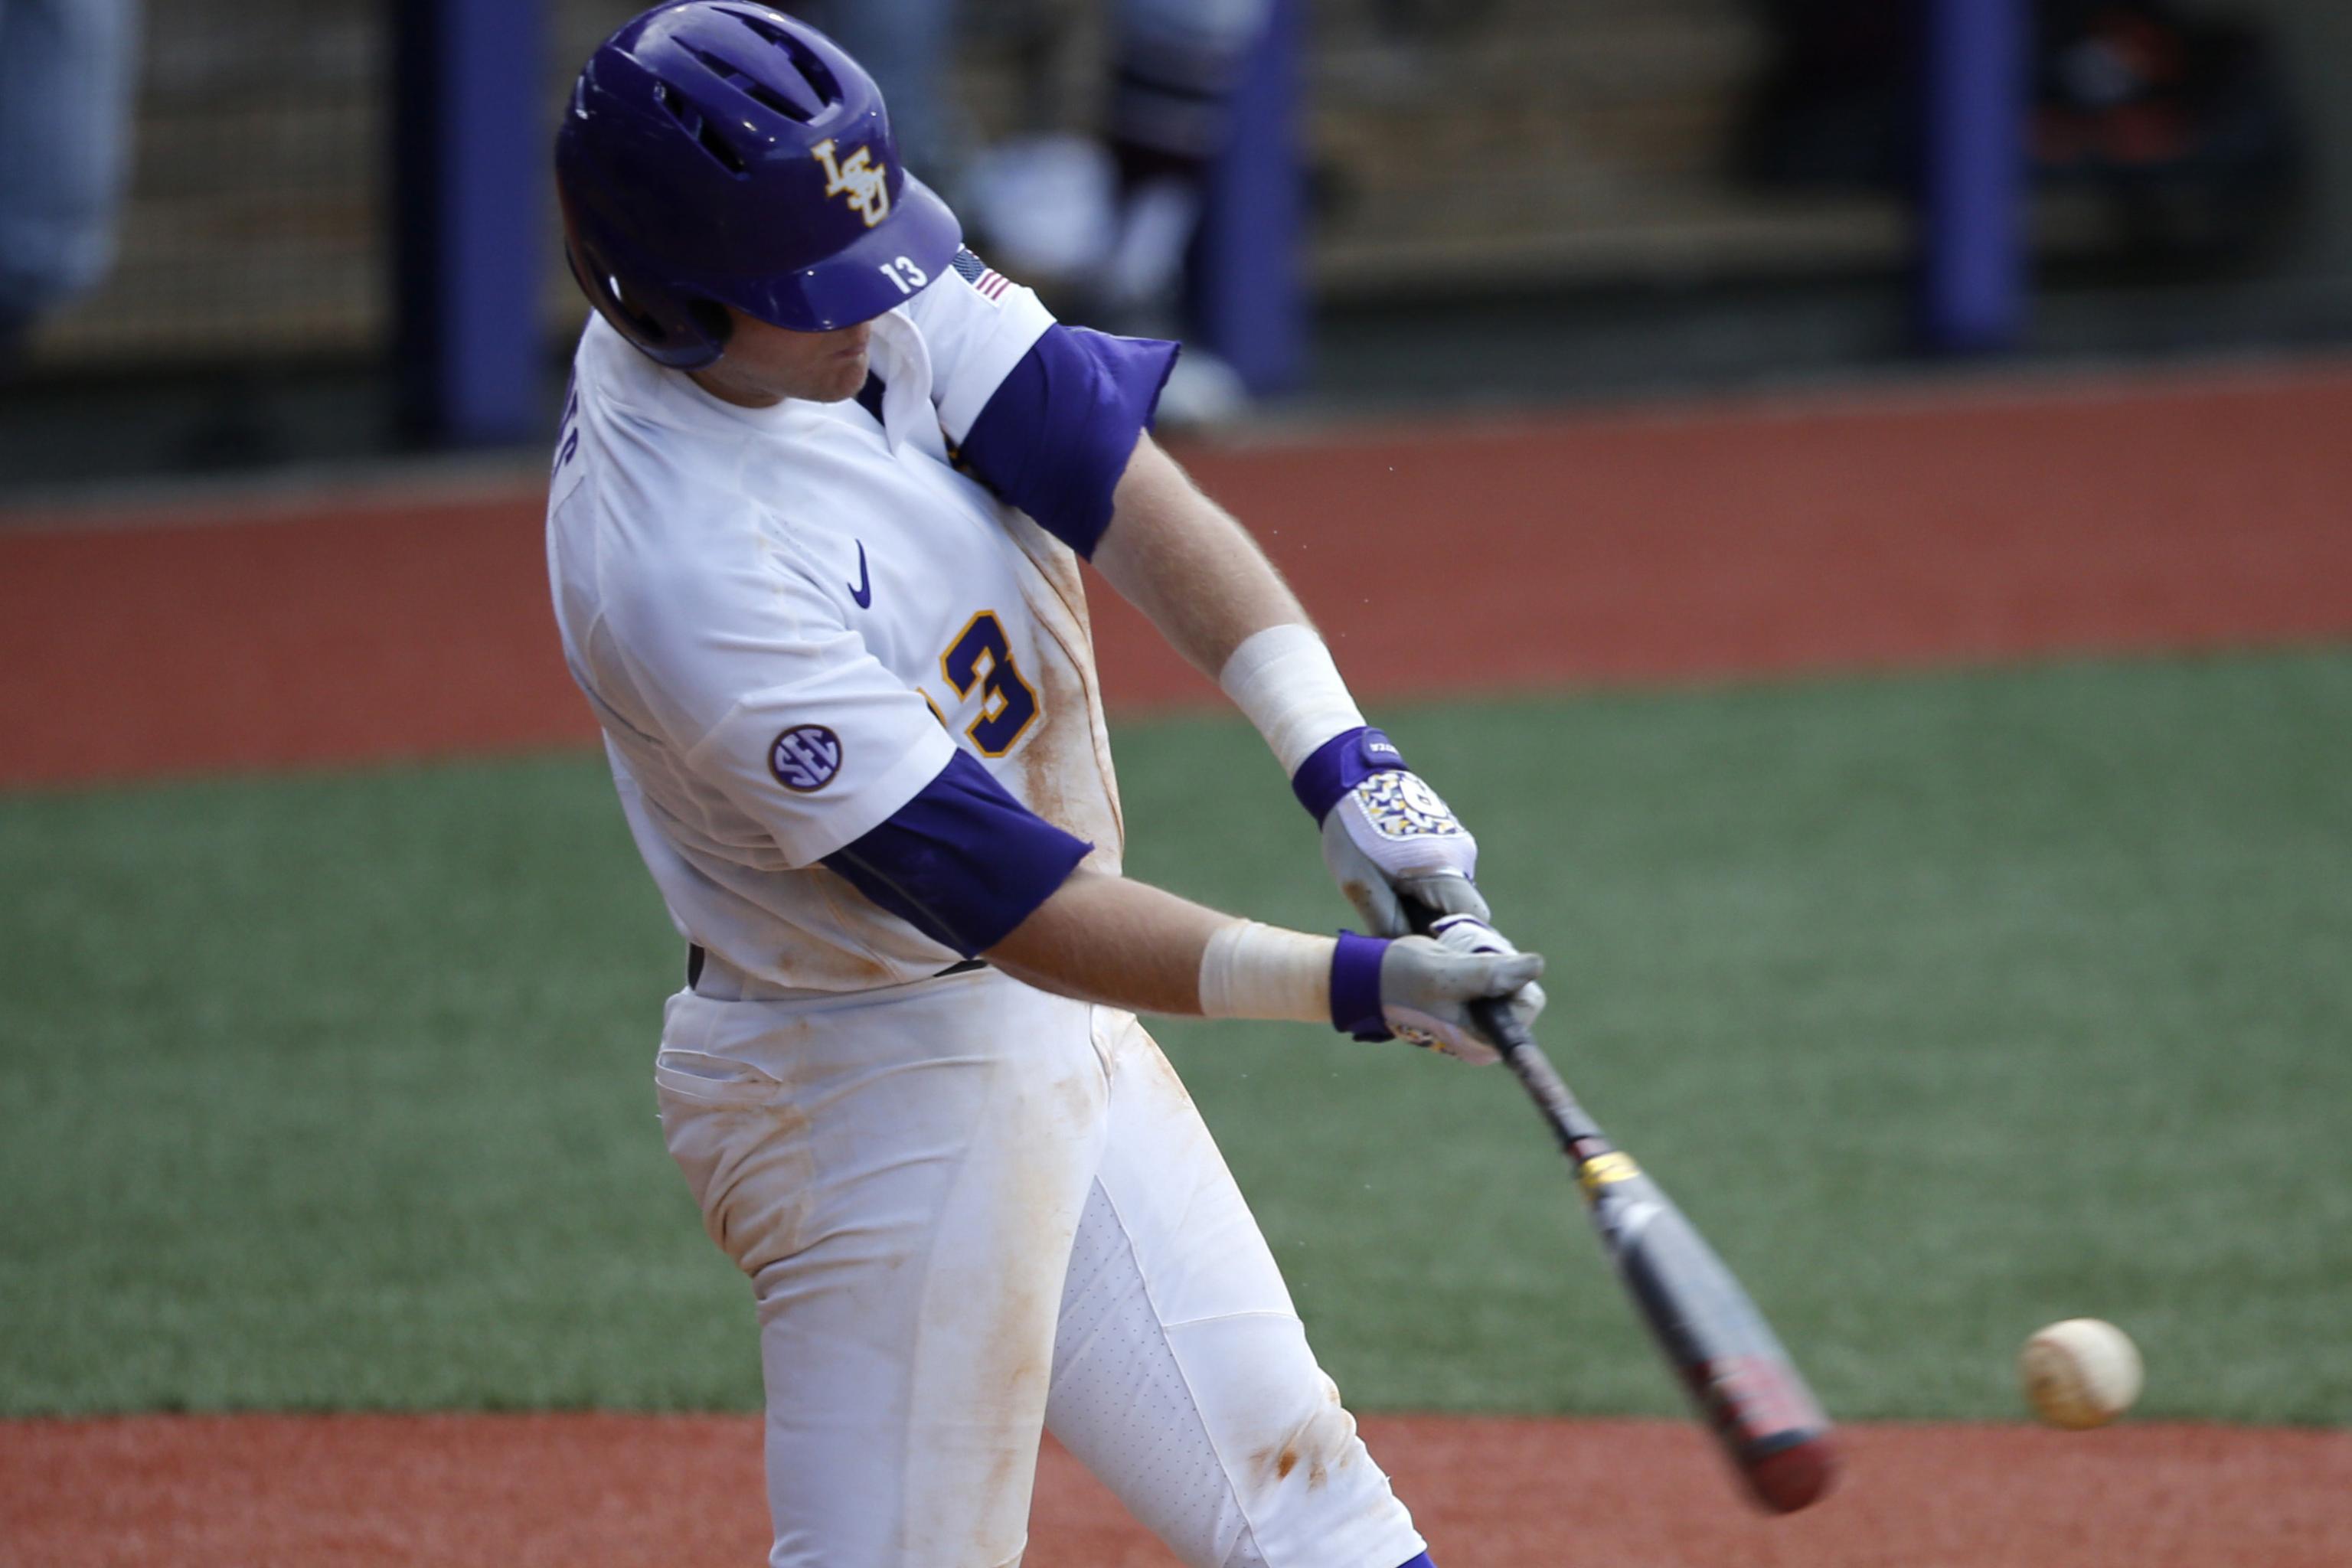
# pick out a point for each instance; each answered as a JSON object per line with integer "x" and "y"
{"x": 848, "y": 967}
{"x": 1044, "y": 760}
{"x": 1140, "y": 1053}
{"x": 1065, "y": 762}
{"x": 988, "y": 1320}
{"x": 1323, "y": 1441}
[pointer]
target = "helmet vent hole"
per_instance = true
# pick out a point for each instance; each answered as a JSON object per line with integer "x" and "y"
{"x": 698, "y": 126}
{"x": 828, "y": 90}
{"x": 758, "y": 91}
{"x": 769, "y": 98}
{"x": 684, "y": 114}
{"x": 720, "y": 148}
{"x": 804, "y": 60}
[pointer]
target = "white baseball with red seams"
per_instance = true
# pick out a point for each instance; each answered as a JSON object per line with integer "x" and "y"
{"x": 2080, "y": 1373}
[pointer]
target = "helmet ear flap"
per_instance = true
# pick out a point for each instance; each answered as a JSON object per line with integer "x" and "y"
{"x": 686, "y": 344}
{"x": 602, "y": 288}
{"x": 710, "y": 318}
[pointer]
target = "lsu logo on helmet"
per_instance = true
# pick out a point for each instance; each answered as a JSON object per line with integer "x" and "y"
{"x": 866, "y": 183}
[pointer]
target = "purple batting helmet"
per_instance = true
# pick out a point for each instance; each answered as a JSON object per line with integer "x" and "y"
{"x": 717, "y": 152}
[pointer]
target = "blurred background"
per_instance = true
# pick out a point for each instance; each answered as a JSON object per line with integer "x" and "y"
{"x": 289, "y": 233}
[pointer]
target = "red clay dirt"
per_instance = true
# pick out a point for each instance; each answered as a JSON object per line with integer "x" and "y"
{"x": 1656, "y": 547}
{"x": 616, "y": 1491}
{"x": 1439, "y": 558}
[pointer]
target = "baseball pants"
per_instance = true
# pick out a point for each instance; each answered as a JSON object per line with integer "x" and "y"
{"x": 969, "y": 1210}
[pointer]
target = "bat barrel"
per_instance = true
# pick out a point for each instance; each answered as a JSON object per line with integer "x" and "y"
{"x": 1793, "y": 1474}
{"x": 1742, "y": 1382}
{"x": 1744, "y": 1388}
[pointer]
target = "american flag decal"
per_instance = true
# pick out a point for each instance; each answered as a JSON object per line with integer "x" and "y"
{"x": 991, "y": 283}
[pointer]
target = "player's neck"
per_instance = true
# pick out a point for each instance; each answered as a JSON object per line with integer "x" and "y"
{"x": 727, "y": 390}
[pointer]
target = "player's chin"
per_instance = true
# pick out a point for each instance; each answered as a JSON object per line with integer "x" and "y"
{"x": 839, "y": 377}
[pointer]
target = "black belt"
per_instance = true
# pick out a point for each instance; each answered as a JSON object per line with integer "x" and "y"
{"x": 695, "y": 955}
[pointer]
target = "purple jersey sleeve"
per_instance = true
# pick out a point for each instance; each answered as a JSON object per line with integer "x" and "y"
{"x": 1055, "y": 435}
{"x": 963, "y": 862}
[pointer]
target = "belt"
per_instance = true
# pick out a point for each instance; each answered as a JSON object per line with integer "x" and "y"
{"x": 696, "y": 958}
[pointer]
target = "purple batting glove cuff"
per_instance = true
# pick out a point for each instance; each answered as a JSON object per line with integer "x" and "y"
{"x": 1356, "y": 986}
{"x": 1340, "y": 764}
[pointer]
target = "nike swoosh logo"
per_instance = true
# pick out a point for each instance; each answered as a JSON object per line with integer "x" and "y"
{"x": 864, "y": 591}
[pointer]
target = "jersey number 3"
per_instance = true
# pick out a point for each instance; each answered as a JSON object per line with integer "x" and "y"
{"x": 982, "y": 657}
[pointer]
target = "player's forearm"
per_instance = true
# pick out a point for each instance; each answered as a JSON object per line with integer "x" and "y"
{"x": 1187, "y": 565}
{"x": 1107, "y": 939}
{"x": 1129, "y": 945}
{"x": 1201, "y": 578}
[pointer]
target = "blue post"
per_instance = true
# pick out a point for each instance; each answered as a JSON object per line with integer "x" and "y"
{"x": 1972, "y": 258}
{"x": 1249, "y": 289}
{"x": 472, "y": 167}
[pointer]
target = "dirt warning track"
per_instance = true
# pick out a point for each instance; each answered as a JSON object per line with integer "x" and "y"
{"x": 519, "y": 1491}
{"x": 1678, "y": 546}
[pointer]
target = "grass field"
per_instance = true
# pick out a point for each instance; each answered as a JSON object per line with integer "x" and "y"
{"x": 1948, "y": 1005}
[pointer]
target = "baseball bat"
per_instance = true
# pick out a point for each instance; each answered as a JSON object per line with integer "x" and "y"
{"x": 1741, "y": 1383}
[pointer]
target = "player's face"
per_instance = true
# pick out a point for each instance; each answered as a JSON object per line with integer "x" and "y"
{"x": 765, "y": 364}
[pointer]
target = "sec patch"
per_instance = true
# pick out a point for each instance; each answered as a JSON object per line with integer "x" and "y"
{"x": 806, "y": 757}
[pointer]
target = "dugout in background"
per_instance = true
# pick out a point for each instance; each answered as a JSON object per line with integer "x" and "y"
{"x": 1508, "y": 198}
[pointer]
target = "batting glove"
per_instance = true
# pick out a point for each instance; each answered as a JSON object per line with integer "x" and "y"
{"x": 1424, "y": 986}
{"x": 1387, "y": 836}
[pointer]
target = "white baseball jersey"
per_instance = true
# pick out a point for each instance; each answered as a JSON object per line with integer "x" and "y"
{"x": 788, "y": 619}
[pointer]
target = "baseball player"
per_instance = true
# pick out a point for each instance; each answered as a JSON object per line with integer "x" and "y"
{"x": 818, "y": 504}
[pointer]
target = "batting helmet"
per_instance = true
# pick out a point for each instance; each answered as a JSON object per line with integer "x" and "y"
{"x": 717, "y": 152}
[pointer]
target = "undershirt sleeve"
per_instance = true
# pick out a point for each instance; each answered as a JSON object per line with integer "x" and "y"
{"x": 1045, "y": 414}
{"x": 1057, "y": 435}
{"x": 963, "y": 862}
{"x": 976, "y": 325}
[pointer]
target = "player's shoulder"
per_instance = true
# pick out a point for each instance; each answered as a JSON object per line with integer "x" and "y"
{"x": 649, "y": 505}
{"x": 989, "y": 286}
{"x": 972, "y": 295}
{"x": 977, "y": 325}
{"x": 628, "y": 399}
{"x": 633, "y": 442}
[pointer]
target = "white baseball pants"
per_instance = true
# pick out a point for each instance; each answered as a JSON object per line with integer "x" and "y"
{"x": 969, "y": 1210}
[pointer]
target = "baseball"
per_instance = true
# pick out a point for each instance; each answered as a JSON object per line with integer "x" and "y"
{"x": 2079, "y": 1373}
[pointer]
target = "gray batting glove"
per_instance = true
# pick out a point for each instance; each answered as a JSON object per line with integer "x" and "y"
{"x": 1427, "y": 983}
{"x": 1391, "y": 837}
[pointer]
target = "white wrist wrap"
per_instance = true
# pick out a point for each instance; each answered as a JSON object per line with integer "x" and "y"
{"x": 1253, "y": 971}
{"x": 1283, "y": 677}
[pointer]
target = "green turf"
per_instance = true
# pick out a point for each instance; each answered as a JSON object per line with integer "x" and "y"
{"x": 1946, "y": 1006}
